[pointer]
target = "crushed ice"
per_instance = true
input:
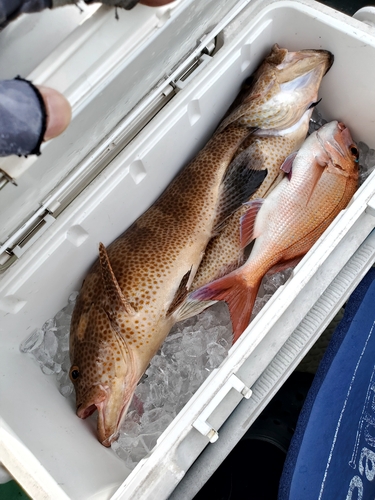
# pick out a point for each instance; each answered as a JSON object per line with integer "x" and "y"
{"x": 190, "y": 352}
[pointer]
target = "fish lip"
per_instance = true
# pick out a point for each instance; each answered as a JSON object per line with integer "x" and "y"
{"x": 84, "y": 412}
{"x": 102, "y": 430}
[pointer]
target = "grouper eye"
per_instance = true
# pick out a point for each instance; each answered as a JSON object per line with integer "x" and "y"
{"x": 74, "y": 373}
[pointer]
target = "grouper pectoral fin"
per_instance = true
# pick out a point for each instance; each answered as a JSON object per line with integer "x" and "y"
{"x": 114, "y": 295}
{"x": 180, "y": 294}
{"x": 243, "y": 177}
{"x": 191, "y": 307}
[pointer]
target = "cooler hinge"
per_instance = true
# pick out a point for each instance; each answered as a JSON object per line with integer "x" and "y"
{"x": 176, "y": 84}
{"x": 18, "y": 243}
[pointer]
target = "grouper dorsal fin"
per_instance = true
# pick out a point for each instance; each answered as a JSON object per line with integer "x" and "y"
{"x": 114, "y": 295}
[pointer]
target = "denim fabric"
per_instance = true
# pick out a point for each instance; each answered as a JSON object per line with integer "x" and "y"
{"x": 22, "y": 118}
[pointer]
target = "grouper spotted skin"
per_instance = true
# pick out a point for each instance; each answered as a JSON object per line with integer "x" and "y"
{"x": 137, "y": 289}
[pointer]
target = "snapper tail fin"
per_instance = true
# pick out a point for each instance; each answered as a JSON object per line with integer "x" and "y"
{"x": 237, "y": 293}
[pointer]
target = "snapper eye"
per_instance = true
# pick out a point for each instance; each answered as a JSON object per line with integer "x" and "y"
{"x": 74, "y": 373}
{"x": 354, "y": 151}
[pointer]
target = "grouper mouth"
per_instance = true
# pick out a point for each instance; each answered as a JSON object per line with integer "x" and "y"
{"x": 85, "y": 412}
{"x": 111, "y": 412}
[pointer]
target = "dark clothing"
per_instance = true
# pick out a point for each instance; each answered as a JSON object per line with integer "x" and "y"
{"x": 9, "y": 9}
{"x": 22, "y": 118}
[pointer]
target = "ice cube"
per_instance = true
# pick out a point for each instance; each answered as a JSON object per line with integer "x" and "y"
{"x": 131, "y": 426}
{"x": 64, "y": 383}
{"x": 122, "y": 449}
{"x": 136, "y": 453}
{"x": 316, "y": 121}
{"x": 66, "y": 390}
{"x": 370, "y": 159}
{"x": 33, "y": 341}
{"x": 50, "y": 343}
{"x": 260, "y": 302}
{"x": 363, "y": 149}
{"x": 216, "y": 354}
{"x": 73, "y": 297}
{"x": 183, "y": 399}
{"x": 49, "y": 325}
{"x": 63, "y": 320}
{"x": 149, "y": 440}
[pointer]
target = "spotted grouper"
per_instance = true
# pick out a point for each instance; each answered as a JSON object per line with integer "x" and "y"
{"x": 130, "y": 299}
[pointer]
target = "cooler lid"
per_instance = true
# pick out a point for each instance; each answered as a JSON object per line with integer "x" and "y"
{"x": 116, "y": 73}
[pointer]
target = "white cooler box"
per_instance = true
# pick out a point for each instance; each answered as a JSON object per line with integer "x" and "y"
{"x": 147, "y": 93}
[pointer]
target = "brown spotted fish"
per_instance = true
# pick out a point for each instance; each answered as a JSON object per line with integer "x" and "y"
{"x": 136, "y": 290}
{"x": 130, "y": 299}
{"x": 322, "y": 179}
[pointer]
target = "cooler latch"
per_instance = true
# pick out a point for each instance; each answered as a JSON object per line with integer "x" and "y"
{"x": 201, "y": 424}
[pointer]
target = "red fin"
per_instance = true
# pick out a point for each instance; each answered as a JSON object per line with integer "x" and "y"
{"x": 248, "y": 221}
{"x": 240, "y": 298}
{"x": 287, "y": 164}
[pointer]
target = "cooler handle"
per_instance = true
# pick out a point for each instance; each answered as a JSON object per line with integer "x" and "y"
{"x": 366, "y": 15}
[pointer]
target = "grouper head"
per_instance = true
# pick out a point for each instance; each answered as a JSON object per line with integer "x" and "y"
{"x": 291, "y": 65}
{"x": 103, "y": 367}
{"x": 284, "y": 86}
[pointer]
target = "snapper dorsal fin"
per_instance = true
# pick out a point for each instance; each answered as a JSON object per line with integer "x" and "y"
{"x": 115, "y": 297}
